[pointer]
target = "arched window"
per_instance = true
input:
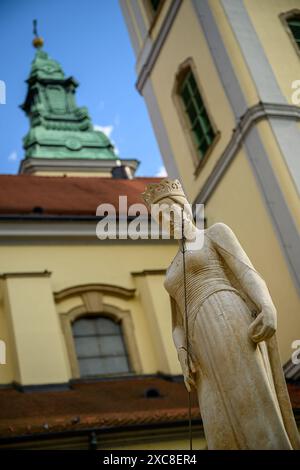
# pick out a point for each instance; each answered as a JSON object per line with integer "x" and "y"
{"x": 99, "y": 346}
{"x": 99, "y": 336}
{"x": 293, "y": 23}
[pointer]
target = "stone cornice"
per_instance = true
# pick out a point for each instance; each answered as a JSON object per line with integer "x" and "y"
{"x": 33, "y": 165}
{"x": 149, "y": 272}
{"x": 254, "y": 114}
{"x": 23, "y": 231}
{"x": 25, "y": 274}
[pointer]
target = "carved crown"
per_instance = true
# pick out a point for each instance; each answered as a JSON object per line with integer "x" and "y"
{"x": 165, "y": 188}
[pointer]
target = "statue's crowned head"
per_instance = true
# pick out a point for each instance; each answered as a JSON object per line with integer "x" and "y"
{"x": 168, "y": 205}
{"x": 166, "y": 188}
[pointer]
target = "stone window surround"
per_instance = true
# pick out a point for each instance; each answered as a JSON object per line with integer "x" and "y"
{"x": 93, "y": 305}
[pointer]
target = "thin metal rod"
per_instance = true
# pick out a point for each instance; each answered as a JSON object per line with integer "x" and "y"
{"x": 186, "y": 331}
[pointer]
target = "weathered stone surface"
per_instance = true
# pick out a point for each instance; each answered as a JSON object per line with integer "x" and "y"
{"x": 227, "y": 348}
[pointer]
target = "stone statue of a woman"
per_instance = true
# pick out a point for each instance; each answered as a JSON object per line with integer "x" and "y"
{"x": 233, "y": 355}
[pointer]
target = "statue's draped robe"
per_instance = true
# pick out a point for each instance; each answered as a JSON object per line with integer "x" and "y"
{"x": 243, "y": 398}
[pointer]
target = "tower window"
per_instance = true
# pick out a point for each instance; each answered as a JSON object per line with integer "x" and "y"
{"x": 99, "y": 347}
{"x": 294, "y": 25}
{"x": 154, "y": 4}
{"x": 199, "y": 123}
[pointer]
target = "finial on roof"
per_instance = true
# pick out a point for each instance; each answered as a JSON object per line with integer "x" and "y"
{"x": 38, "y": 41}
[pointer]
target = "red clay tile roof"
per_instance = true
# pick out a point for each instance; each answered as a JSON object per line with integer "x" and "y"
{"x": 111, "y": 403}
{"x": 59, "y": 195}
{"x": 99, "y": 405}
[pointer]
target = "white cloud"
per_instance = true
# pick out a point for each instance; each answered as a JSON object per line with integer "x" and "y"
{"x": 13, "y": 156}
{"x": 2, "y": 92}
{"x": 107, "y": 130}
{"x": 117, "y": 120}
{"x": 162, "y": 172}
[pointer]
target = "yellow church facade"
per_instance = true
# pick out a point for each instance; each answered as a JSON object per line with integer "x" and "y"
{"x": 218, "y": 81}
{"x": 44, "y": 289}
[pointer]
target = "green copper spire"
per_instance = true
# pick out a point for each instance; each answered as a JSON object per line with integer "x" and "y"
{"x": 59, "y": 129}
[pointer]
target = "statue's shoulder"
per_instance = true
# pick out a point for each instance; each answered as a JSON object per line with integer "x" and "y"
{"x": 219, "y": 228}
{"x": 221, "y": 234}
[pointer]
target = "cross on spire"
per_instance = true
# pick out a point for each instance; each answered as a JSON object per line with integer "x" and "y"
{"x": 35, "y": 28}
{"x": 37, "y": 42}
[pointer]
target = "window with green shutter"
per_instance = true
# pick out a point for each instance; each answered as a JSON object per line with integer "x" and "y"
{"x": 294, "y": 25}
{"x": 154, "y": 4}
{"x": 200, "y": 125}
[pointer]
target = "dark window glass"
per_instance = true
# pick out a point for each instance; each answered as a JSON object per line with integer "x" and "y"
{"x": 99, "y": 347}
{"x": 200, "y": 125}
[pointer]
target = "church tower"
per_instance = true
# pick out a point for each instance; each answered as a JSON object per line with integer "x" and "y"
{"x": 61, "y": 138}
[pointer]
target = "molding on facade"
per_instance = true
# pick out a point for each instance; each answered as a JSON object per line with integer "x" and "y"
{"x": 252, "y": 51}
{"x": 18, "y": 229}
{"x": 92, "y": 304}
{"x": 158, "y": 375}
{"x": 160, "y": 131}
{"x": 136, "y": 8}
{"x": 149, "y": 272}
{"x": 26, "y": 230}
{"x": 107, "y": 437}
{"x": 267, "y": 182}
{"x": 283, "y": 221}
{"x": 77, "y": 165}
{"x": 288, "y": 138}
{"x": 258, "y": 112}
{"x": 104, "y": 289}
{"x": 59, "y": 387}
{"x": 149, "y": 60}
{"x": 143, "y": 55}
{"x": 132, "y": 33}
{"x": 220, "y": 57}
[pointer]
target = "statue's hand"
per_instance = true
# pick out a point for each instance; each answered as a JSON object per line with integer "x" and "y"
{"x": 265, "y": 324}
{"x": 188, "y": 375}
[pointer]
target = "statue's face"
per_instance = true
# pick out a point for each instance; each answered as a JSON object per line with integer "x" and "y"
{"x": 170, "y": 213}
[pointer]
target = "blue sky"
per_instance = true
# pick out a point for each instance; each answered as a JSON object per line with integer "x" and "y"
{"x": 91, "y": 42}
